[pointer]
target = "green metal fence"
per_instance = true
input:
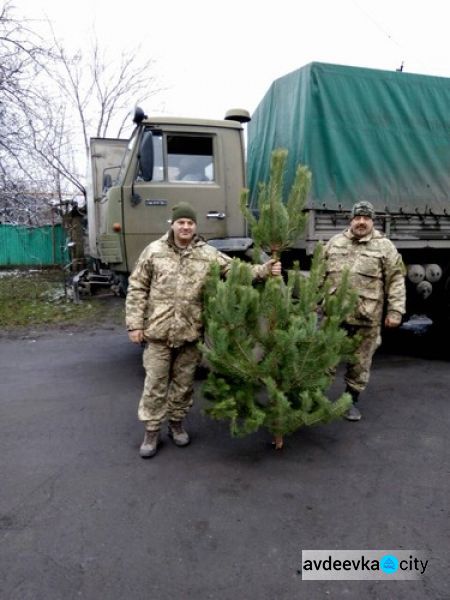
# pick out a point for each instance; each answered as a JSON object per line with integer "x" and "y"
{"x": 27, "y": 246}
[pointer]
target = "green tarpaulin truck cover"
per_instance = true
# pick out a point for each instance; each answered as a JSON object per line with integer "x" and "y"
{"x": 365, "y": 134}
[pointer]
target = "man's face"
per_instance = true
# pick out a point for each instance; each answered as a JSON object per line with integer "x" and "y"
{"x": 183, "y": 231}
{"x": 361, "y": 225}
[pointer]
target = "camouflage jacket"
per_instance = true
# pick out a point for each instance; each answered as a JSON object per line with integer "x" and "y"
{"x": 165, "y": 290}
{"x": 377, "y": 274}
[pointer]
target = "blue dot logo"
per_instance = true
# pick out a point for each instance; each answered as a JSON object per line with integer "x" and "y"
{"x": 389, "y": 563}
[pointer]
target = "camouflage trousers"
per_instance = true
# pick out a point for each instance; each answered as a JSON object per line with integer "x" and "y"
{"x": 357, "y": 374}
{"x": 168, "y": 386}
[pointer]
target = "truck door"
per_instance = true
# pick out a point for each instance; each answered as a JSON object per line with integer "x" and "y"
{"x": 184, "y": 166}
{"x": 106, "y": 157}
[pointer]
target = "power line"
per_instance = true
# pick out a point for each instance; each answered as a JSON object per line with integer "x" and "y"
{"x": 377, "y": 24}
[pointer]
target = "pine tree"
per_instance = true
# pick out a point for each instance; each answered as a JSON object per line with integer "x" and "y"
{"x": 272, "y": 347}
{"x": 278, "y": 224}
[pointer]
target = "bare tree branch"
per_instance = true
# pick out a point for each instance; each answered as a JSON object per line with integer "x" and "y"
{"x": 53, "y": 101}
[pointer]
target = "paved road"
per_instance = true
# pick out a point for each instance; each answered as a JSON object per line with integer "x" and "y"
{"x": 82, "y": 516}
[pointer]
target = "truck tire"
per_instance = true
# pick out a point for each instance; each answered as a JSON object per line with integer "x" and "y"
{"x": 120, "y": 285}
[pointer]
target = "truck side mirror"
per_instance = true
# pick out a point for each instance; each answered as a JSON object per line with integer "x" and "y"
{"x": 107, "y": 181}
{"x": 146, "y": 156}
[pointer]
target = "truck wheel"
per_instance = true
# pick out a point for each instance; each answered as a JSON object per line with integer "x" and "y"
{"x": 120, "y": 285}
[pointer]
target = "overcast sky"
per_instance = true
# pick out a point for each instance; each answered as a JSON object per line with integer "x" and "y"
{"x": 213, "y": 55}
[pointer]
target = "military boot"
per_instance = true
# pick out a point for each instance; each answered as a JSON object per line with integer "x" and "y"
{"x": 178, "y": 434}
{"x": 353, "y": 413}
{"x": 150, "y": 444}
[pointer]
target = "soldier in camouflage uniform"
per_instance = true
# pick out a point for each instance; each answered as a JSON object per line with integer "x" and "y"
{"x": 377, "y": 275}
{"x": 164, "y": 309}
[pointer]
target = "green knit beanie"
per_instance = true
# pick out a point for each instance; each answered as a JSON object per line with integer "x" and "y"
{"x": 183, "y": 210}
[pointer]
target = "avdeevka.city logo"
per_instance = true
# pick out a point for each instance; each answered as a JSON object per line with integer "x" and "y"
{"x": 389, "y": 563}
{"x": 363, "y": 564}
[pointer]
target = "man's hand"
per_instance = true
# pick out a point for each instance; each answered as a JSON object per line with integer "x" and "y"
{"x": 393, "y": 319}
{"x": 274, "y": 266}
{"x": 136, "y": 336}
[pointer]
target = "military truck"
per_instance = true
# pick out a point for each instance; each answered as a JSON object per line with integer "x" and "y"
{"x": 135, "y": 184}
{"x": 365, "y": 134}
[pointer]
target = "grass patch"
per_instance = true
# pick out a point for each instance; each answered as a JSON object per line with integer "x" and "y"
{"x": 34, "y": 298}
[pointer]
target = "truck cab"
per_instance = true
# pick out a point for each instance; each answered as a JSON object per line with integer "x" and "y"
{"x": 137, "y": 182}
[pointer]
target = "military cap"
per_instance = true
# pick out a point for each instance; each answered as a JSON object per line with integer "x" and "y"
{"x": 364, "y": 209}
{"x": 183, "y": 210}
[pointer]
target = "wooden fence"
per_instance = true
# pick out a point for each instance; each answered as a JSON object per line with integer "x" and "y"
{"x": 32, "y": 246}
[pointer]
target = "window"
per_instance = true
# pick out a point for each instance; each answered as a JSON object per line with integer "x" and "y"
{"x": 158, "y": 165}
{"x": 126, "y": 157}
{"x": 151, "y": 165}
{"x": 190, "y": 158}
